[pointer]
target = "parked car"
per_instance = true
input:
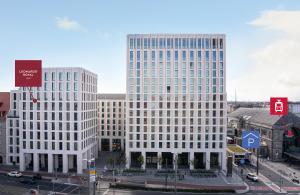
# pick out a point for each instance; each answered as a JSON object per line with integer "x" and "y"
{"x": 33, "y": 191}
{"x": 252, "y": 176}
{"x": 28, "y": 181}
{"x": 15, "y": 174}
{"x": 37, "y": 177}
{"x": 296, "y": 179}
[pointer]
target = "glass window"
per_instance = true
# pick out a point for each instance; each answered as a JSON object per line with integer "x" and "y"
{"x": 199, "y": 43}
{"x": 191, "y": 55}
{"x": 131, "y": 56}
{"x": 153, "y": 55}
{"x": 184, "y": 55}
{"x": 160, "y": 55}
{"x": 138, "y": 55}
{"x": 46, "y": 76}
{"x": 75, "y": 76}
{"x": 221, "y": 55}
{"x": 60, "y": 76}
{"x": 53, "y": 76}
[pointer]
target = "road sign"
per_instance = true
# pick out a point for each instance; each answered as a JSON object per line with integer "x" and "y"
{"x": 93, "y": 172}
{"x": 250, "y": 139}
{"x": 278, "y": 105}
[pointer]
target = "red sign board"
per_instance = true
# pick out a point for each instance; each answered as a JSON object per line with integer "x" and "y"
{"x": 290, "y": 133}
{"x": 278, "y": 105}
{"x": 28, "y": 73}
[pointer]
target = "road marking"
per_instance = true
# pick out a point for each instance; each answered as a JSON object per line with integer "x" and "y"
{"x": 106, "y": 192}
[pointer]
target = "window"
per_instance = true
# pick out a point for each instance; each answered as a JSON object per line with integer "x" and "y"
{"x": 75, "y": 76}
{"x": 60, "y": 76}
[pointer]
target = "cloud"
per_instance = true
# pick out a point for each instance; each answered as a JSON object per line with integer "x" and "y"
{"x": 276, "y": 67}
{"x": 65, "y": 23}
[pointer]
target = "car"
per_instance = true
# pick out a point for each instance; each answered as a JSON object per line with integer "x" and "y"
{"x": 252, "y": 176}
{"x": 15, "y": 174}
{"x": 33, "y": 191}
{"x": 296, "y": 180}
{"x": 37, "y": 177}
{"x": 28, "y": 181}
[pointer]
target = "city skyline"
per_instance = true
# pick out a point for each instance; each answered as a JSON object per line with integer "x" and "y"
{"x": 261, "y": 35}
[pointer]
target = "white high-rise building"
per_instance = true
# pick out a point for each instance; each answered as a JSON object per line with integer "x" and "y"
{"x": 176, "y": 100}
{"x": 111, "y": 115}
{"x": 59, "y": 132}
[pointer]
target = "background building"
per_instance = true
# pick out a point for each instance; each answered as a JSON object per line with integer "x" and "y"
{"x": 111, "y": 116}
{"x": 59, "y": 131}
{"x": 4, "y": 109}
{"x": 13, "y": 130}
{"x": 280, "y": 135}
{"x": 176, "y": 100}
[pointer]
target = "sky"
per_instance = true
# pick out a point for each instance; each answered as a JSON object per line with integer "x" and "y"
{"x": 262, "y": 37}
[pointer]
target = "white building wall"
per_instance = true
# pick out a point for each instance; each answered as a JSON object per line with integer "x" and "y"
{"x": 176, "y": 104}
{"x": 62, "y": 125}
{"x": 111, "y": 115}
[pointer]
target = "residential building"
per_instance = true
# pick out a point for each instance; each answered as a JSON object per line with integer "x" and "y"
{"x": 4, "y": 109}
{"x": 12, "y": 130}
{"x": 111, "y": 116}
{"x": 280, "y": 135}
{"x": 176, "y": 101}
{"x": 58, "y": 133}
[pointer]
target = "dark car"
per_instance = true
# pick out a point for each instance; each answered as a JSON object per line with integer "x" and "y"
{"x": 37, "y": 177}
{"x": 296, "y": 180}
{"x": 28, "y": 181}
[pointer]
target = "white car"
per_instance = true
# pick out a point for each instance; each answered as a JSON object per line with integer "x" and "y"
{"x": 14, "y": 174}
{"x": 252, "y": 177}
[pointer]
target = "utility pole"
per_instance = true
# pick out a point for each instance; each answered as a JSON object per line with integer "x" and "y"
{"x": 257, "y": 158}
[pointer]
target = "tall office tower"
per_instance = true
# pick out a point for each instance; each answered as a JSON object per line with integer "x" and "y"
{"x": 58, "y": 133}
{"x": 176, "y": 101}
{"x": 111, "y": 115}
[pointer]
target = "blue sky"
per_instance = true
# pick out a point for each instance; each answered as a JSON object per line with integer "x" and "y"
{"x": 92, "y": 34}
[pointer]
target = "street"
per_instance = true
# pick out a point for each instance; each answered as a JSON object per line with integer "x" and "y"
{"x": 45, "y": 185}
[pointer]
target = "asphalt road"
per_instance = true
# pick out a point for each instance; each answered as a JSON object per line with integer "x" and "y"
{"x": 43, "y": 184}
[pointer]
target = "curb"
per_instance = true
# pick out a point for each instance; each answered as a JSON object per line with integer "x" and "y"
{"x": 243, "y": 191}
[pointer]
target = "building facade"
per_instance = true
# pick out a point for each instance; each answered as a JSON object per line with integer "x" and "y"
{"x": 112, "y": 121}
{"x": 59, "y": 132}
{"x": 279, "y": 135}
{"x": 4, "y": 109}
{"x": 176, "y": 101}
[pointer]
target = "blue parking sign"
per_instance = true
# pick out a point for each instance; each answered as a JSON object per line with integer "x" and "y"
{"x": 250, "y": 139}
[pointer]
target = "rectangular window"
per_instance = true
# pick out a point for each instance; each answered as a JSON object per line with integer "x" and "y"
{"x": 184, "y": 55}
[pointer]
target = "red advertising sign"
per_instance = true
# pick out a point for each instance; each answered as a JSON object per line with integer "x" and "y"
{"x": 28, "y": 73}
{"x": 278, "y": 105}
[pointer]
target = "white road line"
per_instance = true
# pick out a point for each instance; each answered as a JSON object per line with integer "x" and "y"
{"x": 106, "y": 192}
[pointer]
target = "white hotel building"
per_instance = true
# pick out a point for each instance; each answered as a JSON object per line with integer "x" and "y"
{"x": 59, "y": 131}
{"x": 176, "y": 100}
